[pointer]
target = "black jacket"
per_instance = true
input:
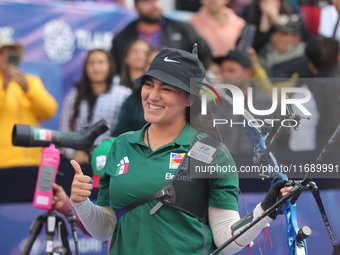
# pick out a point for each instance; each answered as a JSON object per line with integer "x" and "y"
{"x": 131, "y": 115}
{"x": 176, "y": 34}
{"x": 293, "y": 60}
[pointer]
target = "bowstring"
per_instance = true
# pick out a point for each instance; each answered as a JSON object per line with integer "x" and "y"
{"x": 229, "y": 100}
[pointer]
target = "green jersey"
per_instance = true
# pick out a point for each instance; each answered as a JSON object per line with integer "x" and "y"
{"x": 133, "y": 171}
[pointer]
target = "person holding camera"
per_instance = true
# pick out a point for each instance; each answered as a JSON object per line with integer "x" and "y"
{"x": 23, "y": 100}
{"x": 136, "y": 205}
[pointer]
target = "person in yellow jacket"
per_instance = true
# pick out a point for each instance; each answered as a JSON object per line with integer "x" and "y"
{"x": 23, "y": 100}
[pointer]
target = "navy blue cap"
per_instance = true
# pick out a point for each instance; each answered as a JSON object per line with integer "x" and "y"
{"x": 289, "y": 24}
{"x": 176, "y": 67}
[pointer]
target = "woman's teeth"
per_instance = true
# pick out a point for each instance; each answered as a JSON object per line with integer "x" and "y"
{"x": 154, "y": 107}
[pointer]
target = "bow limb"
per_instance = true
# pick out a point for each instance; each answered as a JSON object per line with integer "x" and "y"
{"x": 247, "y": 116}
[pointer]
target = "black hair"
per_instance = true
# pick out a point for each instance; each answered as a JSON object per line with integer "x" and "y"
{"x": 322, "y": 52}
{"x": 85, "y": 91}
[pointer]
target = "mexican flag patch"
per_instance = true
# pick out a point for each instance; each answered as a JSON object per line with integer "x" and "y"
{"x": 123, "y": 166}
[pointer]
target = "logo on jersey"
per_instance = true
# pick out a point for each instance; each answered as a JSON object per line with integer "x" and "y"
{"x": 100, "y": 162}
{"x": 175, "y": 159}
{"x": 123, "y": 166}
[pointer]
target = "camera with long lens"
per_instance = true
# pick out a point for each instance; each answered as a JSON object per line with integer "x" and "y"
{"x": 31, "y": 136}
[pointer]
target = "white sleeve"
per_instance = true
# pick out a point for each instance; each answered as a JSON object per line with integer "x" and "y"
{"x": 99, "y": 221}
{"x": 221, "y": 221}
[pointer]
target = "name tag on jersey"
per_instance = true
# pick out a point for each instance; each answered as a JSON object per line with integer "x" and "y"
{"x": 202, "y": 152}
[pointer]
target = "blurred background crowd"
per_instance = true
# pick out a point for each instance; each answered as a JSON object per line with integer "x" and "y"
{"x": 278, "y": 41}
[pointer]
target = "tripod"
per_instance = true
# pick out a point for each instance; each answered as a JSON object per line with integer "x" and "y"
{"x": 30, "y": 136}
{"x": 51, "y": 220}
{"x": 48, "y": 169}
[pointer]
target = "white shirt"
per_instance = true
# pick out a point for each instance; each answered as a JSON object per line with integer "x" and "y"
{"x": 304, "y": 139}
{"x": 328, "y": 19}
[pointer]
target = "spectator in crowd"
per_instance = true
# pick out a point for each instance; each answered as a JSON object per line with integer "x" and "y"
{"x": 218, "y": 25}
{"x": 237, "y": 69}
{"x": 159, "y": 31}
{"x": 263, "y": 14}
{"x": 194, "y": 5}
{"x": 329, "y": 19}
{"x": 321, "y": 17}
{"x": 134, "y": 63}
{"x": 93, "y": 98}
{"x": 260, "y": 77}
{"x": 149, "y": 57}
{"x": 23, "y": 100}
{"x": 324, "y": 104}
{"x": 238, "y": 5}
{"x": 259, "y": 74}
{"x": 131, "y": 117}
{"x": 322, "y": 54}
{"x": 284, "y": 54}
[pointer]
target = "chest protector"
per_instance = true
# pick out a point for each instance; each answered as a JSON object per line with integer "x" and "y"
{"x": 190, "y": 195}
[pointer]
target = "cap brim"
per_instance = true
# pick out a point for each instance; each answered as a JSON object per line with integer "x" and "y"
{"x": 12, "y": 46}
{"x": 166, "y": 78}
{"x": 246, "y": 65}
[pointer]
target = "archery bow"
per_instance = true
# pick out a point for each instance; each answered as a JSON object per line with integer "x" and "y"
{"x": 295, "y": 237}
{"x": 295, "y": 242}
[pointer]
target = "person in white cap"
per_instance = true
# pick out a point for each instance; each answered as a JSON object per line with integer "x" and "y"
{"x": 23, "y": 100}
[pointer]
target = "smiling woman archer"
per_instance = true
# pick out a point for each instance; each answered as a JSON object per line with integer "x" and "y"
{"x": 165, "y": 107}
{"x": 137, "y": 206}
